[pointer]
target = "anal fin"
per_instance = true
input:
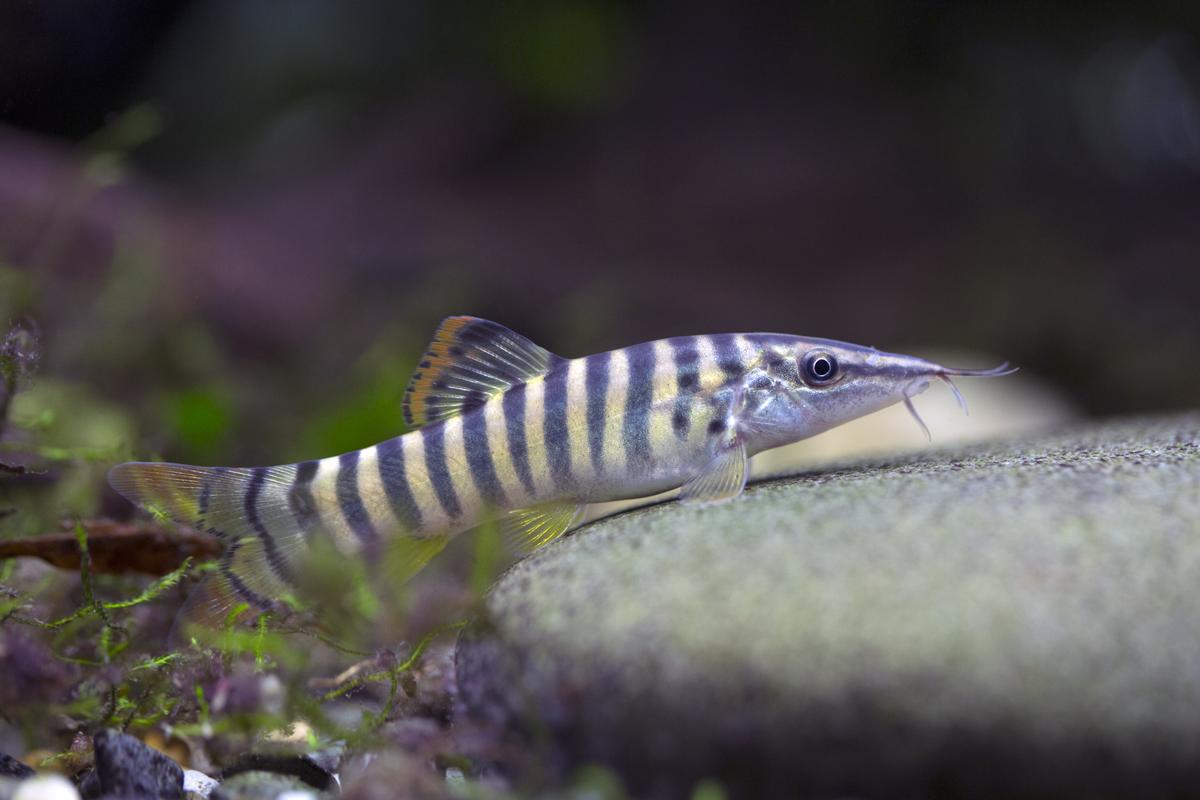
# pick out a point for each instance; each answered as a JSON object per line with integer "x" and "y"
{"x": 405, "y": 556}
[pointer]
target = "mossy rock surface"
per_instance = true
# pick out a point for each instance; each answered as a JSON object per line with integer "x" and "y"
{"x": 1022, "y": 618}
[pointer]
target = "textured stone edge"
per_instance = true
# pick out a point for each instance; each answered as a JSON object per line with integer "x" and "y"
{"x": 831, "y": 749}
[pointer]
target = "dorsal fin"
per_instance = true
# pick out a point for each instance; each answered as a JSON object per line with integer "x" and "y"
{"x": 470, "y": 360}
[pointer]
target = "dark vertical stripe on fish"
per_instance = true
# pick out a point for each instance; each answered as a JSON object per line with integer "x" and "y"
{"x": 439, "y": 473}
{"x": 596, "y": 389}
{"x": 205, "y": 498}
{"x": 638, "y": 399}
{"x": 394, "y": 476}
{"x": 554, "y": 427}
{"x": 479, "y": 459}
{"x": 729, "y": 358}
{"x": 687, "y": 382}
{"x": 350, "y": 500}
{"x": 225, "y": 566}
{"x": 514, "y": 423}
{"x": 258, "y": 477}
{"x": 300, "y": 496}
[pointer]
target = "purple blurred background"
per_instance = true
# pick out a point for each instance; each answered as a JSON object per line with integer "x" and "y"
{"x": 240, "y": 219}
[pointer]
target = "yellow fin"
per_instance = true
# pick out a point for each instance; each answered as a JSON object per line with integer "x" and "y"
{"x": 470, "y": 360}
{"x": 529, "y": 528}
{"x": 405, "y": 556}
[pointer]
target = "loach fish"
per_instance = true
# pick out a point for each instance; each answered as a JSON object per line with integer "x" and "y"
{"x": 505, "y": 428}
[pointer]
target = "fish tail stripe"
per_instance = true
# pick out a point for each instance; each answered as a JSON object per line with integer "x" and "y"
{"x": 433, "y": 438}
{"x": 554, "y": 427}
{"x": 729, "y": 355}
{"x": 392, "y": 475}
{"x": 479, "y": 459}
{"x": 275, "y": 559}
{"x": 514, "y": 424}
{"x": 225, "y": 567}
{"x": 596, "y": 390}
{"x": 300, "y": 496}
{"x": 205, "y": 495}
{"x": 350, "y": 500}
{"x": 205, "y": 500}
{"x": 638, "y": 399}
{"x": 687, "y": 382}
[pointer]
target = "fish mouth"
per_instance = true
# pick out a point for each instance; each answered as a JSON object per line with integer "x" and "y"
{"x": 945, "y": 374}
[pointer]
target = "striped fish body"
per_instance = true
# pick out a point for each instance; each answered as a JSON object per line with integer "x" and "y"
{"x": 622, "y": 424}
{"x": 503, "y": 427}
{"x": 625, "y": 423}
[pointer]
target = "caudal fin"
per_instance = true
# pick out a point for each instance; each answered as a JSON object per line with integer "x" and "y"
{"x": 253, "y": 510}
{"x": 280, "y": 550}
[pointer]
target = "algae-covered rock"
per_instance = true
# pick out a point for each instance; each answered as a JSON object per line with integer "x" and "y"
{"x": 1022, "y": 618}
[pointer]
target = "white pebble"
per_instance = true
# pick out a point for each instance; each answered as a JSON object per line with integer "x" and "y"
{"x": 296, "y": 794}
{"x": 46, "y": 787}
{"x": 198, "y": 782}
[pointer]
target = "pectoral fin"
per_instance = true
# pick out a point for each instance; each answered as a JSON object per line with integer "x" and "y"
{"x": 722, "y": 479}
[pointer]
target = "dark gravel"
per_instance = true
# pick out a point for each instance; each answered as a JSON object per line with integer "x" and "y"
{"x": 126, "y": 768}
{"x": 11, "y": 768}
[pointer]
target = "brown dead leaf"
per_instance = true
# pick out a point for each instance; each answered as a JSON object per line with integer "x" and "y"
{"x": 117, "y": 547}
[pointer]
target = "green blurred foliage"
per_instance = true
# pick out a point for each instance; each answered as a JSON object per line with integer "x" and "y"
{"x": 75, "y": 435}
{"x": 200, "y": 419}
{"x": 573, "y": 55}
{"x": 16, "y": 292}
{"x": 365, "y": 409}
{"x": 70, "y": 418}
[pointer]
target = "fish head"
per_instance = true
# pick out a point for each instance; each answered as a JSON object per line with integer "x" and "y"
{"x": 808, "y": 386}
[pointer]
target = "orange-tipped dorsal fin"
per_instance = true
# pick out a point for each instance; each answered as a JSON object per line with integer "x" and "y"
{"x": 469, "y": 361}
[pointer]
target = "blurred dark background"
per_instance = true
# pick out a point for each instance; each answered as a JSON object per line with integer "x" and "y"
{"x": 235, "y": 222}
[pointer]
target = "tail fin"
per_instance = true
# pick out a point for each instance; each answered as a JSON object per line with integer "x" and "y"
{"x": 279, "y": 547}
{"x": 252, "y": 509}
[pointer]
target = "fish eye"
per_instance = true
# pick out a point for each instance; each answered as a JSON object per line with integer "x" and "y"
{"x": 819, "y": 368}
